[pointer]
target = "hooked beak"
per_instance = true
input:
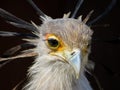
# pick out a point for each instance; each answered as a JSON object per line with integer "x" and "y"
{"x": 73, "y": 58}
{"x": 75, "y": 61}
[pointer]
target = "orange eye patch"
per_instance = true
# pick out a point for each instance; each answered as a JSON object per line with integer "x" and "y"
{"x": 53, "y": 42}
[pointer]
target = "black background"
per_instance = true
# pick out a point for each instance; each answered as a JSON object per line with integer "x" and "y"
{"x": 106, "y": 55}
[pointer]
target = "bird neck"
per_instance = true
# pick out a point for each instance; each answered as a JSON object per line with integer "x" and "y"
{"x": 50, "y": 75}
{"x": 54, "y": 75}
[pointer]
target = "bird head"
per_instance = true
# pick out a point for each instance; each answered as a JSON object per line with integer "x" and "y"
{"x": 63, "y": 48}
{"x": 67, "y": 40}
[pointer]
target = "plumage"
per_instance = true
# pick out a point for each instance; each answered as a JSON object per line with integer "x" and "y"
{"x": 13, "y": 50}
{"x": 78, "y": 5}
{"x": 106, "y": 11}
{"x": 54, "y": 68}
{"x": 62, "y": 49}
{"x": 16, "y": 21}
{"x": 11, "y": 34}
{"x": 48, "y": 72}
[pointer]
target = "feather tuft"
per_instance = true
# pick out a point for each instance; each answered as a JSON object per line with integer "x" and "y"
{"x": 88, "y": 16}
{"x": 66, "y": 15}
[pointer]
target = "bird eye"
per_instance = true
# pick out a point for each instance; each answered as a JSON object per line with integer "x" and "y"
{"x": 53, "y": 43}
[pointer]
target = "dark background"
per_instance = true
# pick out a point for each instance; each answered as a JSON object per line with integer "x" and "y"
{"x": 106, "y": 55}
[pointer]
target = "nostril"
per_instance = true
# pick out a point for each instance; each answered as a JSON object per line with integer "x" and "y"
{"x": 72, "y": 53}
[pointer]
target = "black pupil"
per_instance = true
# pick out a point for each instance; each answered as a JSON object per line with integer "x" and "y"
{"x": 53, "y": 42}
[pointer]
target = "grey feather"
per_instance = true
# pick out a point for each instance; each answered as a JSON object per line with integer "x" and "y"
{"x": 10, "y": 34}
{"x": 42, "y": 15}
{"x": 107, "y": 10}
{"x": 15, "y": 49}
{"x": 17, "y": 21}
{"x": 78, "y": 5}
{"x": 39, "y": 12}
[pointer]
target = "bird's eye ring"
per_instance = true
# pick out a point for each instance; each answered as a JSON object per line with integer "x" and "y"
{"x": 53, "y": 43}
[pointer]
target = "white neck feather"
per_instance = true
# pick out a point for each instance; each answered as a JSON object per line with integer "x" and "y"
{"x": 54, "y": 75}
